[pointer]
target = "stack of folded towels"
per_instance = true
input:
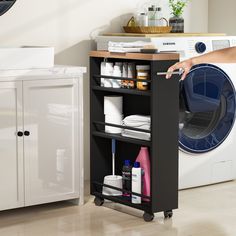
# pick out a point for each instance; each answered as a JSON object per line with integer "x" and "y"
{"x": 124, "y": 47}
{"x": 137, "y": 121}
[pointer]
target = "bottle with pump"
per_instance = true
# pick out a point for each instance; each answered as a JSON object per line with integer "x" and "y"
{"x": 136, "y": 183}
{"x": 126, "y": 178}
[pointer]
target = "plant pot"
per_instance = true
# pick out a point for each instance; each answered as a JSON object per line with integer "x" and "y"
{"x": 177, "y": 24}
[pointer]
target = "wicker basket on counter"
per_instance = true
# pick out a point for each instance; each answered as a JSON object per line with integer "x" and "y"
{"x": 147, "y": 29}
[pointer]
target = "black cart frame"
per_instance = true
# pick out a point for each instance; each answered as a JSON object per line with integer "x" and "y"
{"x": 161, "y": 102}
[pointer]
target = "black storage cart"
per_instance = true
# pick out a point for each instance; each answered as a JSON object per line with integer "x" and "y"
{"x": 161, "y": 102}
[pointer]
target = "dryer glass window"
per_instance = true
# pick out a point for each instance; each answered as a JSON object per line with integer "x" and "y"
{"x": 207, "y": 109}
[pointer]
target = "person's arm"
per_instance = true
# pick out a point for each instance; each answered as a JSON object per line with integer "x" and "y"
{"x": 227, "y": 55}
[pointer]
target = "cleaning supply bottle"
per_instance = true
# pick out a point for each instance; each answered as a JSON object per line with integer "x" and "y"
{"x": 126, "y": 178}
{"x": 144, "y": 160}
{"x": 136, "y": 183}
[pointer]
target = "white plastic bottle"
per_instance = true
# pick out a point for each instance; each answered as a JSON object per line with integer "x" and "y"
{"x": 143, "y": 19}
{"x": 136, "y": 183}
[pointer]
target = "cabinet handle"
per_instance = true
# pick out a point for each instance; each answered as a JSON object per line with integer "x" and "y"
{"x": 20, "y": 134}
{"x": 27, "y": 133}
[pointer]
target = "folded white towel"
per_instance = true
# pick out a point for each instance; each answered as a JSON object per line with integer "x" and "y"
{"x": 136, "y": 134}
{"x": 137, "y": 118}
{"x": 123, "y": 50}
{"x": 138, "y": 125}
{"x": 136, "y": 44}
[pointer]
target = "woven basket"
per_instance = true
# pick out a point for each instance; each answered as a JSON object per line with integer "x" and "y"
{"x": 147, "y": 29}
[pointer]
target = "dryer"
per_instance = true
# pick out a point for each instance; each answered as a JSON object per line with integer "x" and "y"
{"x": 207, "y": 129}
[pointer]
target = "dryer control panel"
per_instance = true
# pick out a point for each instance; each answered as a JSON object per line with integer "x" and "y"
{"x": 220, "y": 44}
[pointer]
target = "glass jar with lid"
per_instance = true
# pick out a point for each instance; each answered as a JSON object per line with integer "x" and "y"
{"x": 152, "y": 15}
{"x": 143, "y": 73}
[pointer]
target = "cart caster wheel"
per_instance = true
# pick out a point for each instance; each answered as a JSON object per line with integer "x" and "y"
{"x": 148, "y": 217}
{"x": 98, "y": 201}
{"x": 168, "y": 214}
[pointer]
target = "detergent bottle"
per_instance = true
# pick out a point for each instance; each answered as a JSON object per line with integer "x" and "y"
{"x": 144, "y": 160}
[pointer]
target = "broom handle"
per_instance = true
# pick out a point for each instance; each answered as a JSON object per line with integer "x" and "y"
{"x": 113, "y": 155}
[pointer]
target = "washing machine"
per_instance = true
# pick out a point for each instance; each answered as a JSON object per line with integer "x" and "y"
{"x": 207, "y": 129}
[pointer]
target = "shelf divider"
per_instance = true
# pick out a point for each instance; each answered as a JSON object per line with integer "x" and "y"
{"x": 122, "y": 126}
{"x": 122, "y": 138}
{"x": 122, "y": 90}
{"x": 122, "y": 78}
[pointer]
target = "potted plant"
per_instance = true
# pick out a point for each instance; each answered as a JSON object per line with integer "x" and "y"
{"x": 177, "y": 9}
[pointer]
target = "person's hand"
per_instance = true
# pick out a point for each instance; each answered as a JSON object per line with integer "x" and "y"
{"x": 184, "y": 65}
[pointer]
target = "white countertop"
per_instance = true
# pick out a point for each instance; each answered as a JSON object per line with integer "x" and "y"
{"x": 56, "y": 72}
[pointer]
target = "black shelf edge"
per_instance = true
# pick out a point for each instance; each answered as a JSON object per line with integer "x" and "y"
{"x": 122, "y": 138}
{"x": 122, "y": 126}
{"x": 121, "y": 78}
{"x": 121, "y": 190}
{"x": 123, "y": 90}
{"x": 122, "y": 200}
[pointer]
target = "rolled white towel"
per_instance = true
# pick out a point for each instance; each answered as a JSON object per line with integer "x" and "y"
{"x": 134, "y": 120}
{"x": 138, "y": 118}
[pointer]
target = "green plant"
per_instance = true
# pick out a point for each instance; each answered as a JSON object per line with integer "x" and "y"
{"x": 177, "y": 7}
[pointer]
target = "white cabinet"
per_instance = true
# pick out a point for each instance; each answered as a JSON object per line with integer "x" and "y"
{"x": 11, "y": 146}
{"x": 51, "y": 140}
{"x": 41, "y": 141}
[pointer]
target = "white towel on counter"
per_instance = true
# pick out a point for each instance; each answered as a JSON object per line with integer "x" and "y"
{"x": 136, "y": 44}
{"x": 124, "y": 47}
{"x": 123, "y": 50}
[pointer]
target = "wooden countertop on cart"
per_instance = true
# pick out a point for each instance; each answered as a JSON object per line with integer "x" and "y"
{"x": 136, "y": 56}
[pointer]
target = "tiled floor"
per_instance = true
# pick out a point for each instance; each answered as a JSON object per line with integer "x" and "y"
{"x": 207, "y": 211}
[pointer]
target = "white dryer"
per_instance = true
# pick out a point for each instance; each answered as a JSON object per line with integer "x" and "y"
{"x": 207, "y": 129}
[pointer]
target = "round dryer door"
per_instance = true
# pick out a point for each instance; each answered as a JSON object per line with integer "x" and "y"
{"x": 207, "y": 109}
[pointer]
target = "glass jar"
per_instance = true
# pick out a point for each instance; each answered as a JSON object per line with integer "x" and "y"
{"x": 143, "y": 73}
{"x": 152, "y": 15}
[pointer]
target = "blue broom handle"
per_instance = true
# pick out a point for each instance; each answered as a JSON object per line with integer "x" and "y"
{"x": 113, "y": 146}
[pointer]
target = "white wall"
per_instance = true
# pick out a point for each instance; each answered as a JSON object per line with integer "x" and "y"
{"x": 222, "y": 16}
{"x": 69, "y": 26}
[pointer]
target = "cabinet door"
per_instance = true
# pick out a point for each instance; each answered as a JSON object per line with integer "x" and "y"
{"x": 11, "y": 146}
{"x": 51, "y": 147}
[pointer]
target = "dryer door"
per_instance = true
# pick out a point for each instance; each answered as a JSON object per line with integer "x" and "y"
{"x": 207, "y": 109}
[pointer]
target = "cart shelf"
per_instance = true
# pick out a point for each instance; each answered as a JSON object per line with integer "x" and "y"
{"x": 122, "y": 138}
{"x": 121, "y": 199}
{"x": 122, "y": 78}
{"x": 100, "y": 123}
{"x": 122, "y": 90}
{"x": 124, "y": 201}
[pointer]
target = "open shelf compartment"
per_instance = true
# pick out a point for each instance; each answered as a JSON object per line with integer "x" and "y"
{"x": 145, "y": 205}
